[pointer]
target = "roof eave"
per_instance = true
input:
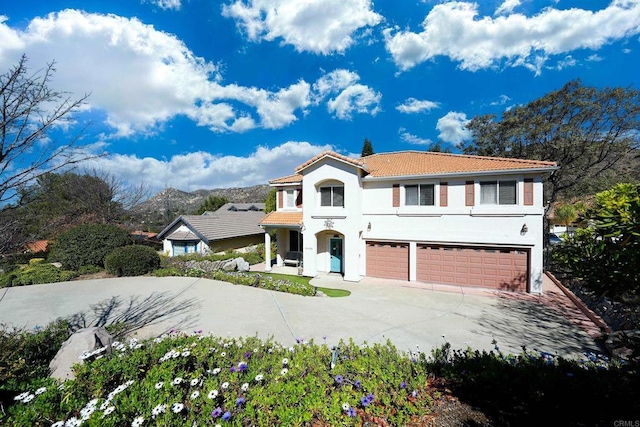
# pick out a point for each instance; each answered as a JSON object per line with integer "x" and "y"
{"x": 546, "y": 169}
{"x": 299, "y": 169}
{"x": 191, "y": 227}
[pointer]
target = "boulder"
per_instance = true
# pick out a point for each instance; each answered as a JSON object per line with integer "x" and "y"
{"x": 241, "y": 264}
{"x": 84, "y": 343}
{"x": 230, "y": 265}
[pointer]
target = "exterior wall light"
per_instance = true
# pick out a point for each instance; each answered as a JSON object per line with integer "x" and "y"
{"x": 369, "y": 226}
{"x": 524, "y": 229}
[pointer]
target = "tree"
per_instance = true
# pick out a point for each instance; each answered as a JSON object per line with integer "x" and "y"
{"x": 589, "y": 132}
{"x": 29, "y": 111}
{"x": 367, "y": 148}
{"x": 436, "y": 147}
{"x": 566, "y": 214}
{"x": 606, "y": 254}
{"x": 270, "y": 201}
{"x": 213, "y": 203}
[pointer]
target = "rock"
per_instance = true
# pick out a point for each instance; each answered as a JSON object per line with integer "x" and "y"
{"x": 624, "y": 345}
{"x": 94, "y": 340}
{"x": 241, "y": 264}
{"x": 230, "y": 265}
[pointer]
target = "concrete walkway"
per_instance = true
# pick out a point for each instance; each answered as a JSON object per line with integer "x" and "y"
{"x": 410, "y": 316}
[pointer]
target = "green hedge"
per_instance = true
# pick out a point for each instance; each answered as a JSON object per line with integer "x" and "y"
{"x": 132, "y": 260}
{"x": 37, "y": 274}
{"x": 87, "y": 244}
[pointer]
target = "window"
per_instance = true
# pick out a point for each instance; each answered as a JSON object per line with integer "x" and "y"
{"x": 290, "y": 200}
{"x": 498, "y": 193}
{"x": 295, "y": 241}
{"x": 419, "y": 195}
{"x": 332, "y": 196}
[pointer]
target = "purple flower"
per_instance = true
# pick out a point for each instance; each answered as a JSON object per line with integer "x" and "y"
{"x": 351, "y": 412}
{"x": 370, "y": 397}
{"x": 226, "y": 416}
{"x": 403, "y": 384}
{"x": 414, "y": 393}
{"x": 242, "y": 366}
{"x": 240, "y": 401}
{"x": 247, "y": 355}
{"x": 232, "y": 369}
{"x": 216, "y": 412}
{"x": 339, "y": 379}
{"x": 364, "y": 401}
{"x": 357, "y": 384}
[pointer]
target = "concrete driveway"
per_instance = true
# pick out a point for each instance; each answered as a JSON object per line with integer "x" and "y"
{"x": 375, "y": 311}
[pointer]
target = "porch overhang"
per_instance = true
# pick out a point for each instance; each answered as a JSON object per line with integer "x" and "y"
{"x": 279, "y": 219}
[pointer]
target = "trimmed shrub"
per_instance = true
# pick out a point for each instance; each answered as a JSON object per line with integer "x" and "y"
{"x": 37, "y": 274}
{"x": 88, "y": 244}
{"x": 132, "y": 260}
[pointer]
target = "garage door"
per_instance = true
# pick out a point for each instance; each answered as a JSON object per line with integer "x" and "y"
{"x": 388, "y": 260}
{"x": 497, "y": 268}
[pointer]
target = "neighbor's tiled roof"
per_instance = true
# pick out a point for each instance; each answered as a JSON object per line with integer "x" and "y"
{"x": 38, "y": 246}
{"x": 356, "y": 162}
{"x": 430, "y": 163}
{"x": 183, "y": 235}
{"x": 282, "y": 218}
{"x": 219, "y": 225}
{"x": 289, "y": 179}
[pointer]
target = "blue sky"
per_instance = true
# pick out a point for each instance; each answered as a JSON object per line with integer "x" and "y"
{"x": 197, "y": 94}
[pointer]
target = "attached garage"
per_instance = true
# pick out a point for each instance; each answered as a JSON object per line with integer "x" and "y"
{"x": 388, "y": 260}
{"x": 487, "y": 267}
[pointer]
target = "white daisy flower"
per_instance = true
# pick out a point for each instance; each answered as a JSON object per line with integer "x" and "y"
{"x": 245, "y": 387}
{"x": 108, "y": 411}
{"x": 72, "y": 422}
{"x": 28, "y": 399}
{"x": 285, "y": 361}
{"x": 216, "y": 371}
{"x": 213, "y": 394}
{"x": 176, "y": 408}
{"x": 159, "y": 385}
{"x": 21, "y": 396}
{"x": 345, "y": 406}
{"x": 284, "y": 371}
{"x": 194, "y": 382}
{"x": 176, "y": 381}
{"x": 159, "y": 409}
{"x": 92, "y": 402}
{"x": 259, "y": 377}
{"x": 137, "y": 422}
{"x": 186, "y": 353}
{"x": 194, "y": 395}
{"x": 58, "y": 424}
{"x": 105, "y": 405}
{"x": 225, "y": 385}
{"x": 223, "y": 354}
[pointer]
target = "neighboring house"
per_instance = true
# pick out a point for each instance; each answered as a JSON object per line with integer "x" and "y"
{"x": 416, "y": 216}
{"x": 37, "y": 247}
{"x": 233, "y": 226}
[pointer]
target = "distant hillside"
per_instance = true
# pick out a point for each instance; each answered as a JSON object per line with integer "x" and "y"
{"x": 164, "y": 207}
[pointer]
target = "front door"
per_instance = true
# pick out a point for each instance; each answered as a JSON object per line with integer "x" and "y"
{"x": 335, "y": 250}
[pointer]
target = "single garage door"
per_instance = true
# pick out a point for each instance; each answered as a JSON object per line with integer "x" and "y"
{"x": 388, "y": 260}
{"x": 497, "y": 268}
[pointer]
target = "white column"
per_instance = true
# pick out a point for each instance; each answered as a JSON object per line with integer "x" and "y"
{"x": 413, "y": 261}
{"x": 267, "y": 251}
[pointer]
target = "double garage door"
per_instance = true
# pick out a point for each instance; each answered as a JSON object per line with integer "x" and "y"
{"x": 497, "y": 268}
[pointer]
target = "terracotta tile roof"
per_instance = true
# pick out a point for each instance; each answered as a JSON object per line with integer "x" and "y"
{"x": 37, "y": 246}
{"x": 355, "y": 162}
{"x": 282, "y": 218}
{"x": 289, "y": 179}
{"x": 405, "y": 163}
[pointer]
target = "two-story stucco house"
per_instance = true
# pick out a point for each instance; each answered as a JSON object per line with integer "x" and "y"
{"x": 415, "y": 216}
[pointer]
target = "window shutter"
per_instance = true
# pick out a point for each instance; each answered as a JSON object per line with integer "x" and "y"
{"x": 280, "y": 199}
{"x": 528, "y": 191}
{"x": 396, "y": 195}
{"x": 299, "y": 198}
{"x": 469, "y": 194}
{"x": 444, "y": 194}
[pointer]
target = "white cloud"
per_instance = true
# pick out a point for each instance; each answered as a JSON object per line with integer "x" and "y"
{"x": 318, "y": 26}
{"x": 595, "y": 58}
{"x": 202, "y": 170}
{"x": 412, "y": 105}
{"x": 452, "y": 128}
{"x": 168, "y": 4}
{"x": 350, "y": 96}
{"x": 566, "y": 62}
{"x": 502, "y": 100}
{"x": 455, "y": 30}
{"x": 507, "y": 7}
{"x": 141, "y": 77}
{"x": 412, "y": 139}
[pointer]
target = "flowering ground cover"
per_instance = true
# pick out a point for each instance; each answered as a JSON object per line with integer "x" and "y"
{"x": 183, "y": 379}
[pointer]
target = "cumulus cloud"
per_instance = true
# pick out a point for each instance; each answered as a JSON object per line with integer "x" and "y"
{"x": 502, "y": 100}
{"x": 318, "y": 26}
{"x": 203, "y": 170}
{"x": 455, "y": 30}
{"x": 412, "y": 139}
{"x": 168, "y": 4}
{"x": 507, "y": 7}
{"x": 412, "y": 105}
{"x": 141, "y": 77}
{"x": 350, "y": 96}
{"x": 452, "y": 128}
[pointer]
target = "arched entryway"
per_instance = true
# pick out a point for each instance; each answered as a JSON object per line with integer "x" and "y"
{"x": 330, "y": 251}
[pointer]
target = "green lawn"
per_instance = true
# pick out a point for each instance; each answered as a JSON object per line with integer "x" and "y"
{"x": 333, "y": 293}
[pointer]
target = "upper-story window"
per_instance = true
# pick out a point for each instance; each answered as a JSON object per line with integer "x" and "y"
{"x": 332, "y": 195}
{"x": 498, "y": 193}
{"x": 289, "y": 200}
{"x": 419, "y": 195}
